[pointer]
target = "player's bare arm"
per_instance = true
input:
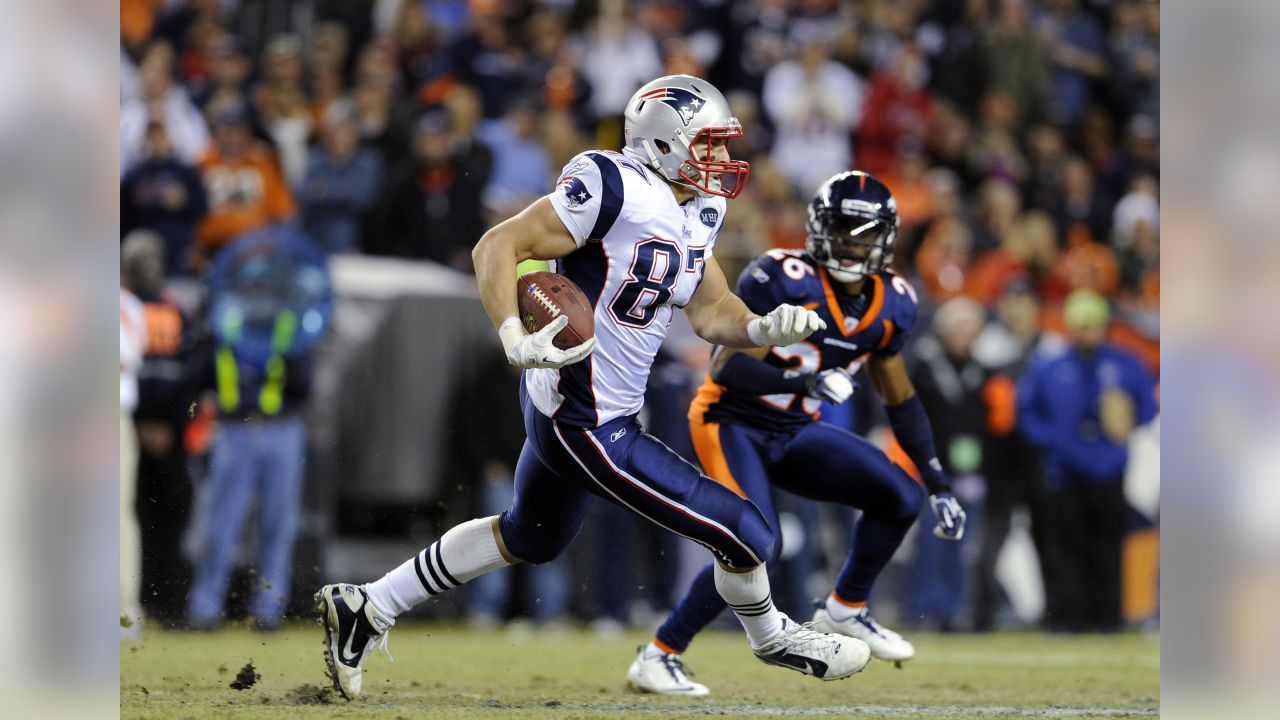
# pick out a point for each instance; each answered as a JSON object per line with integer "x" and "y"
{"x": 536, "y": 233}
{"x": 889, "y": 375}
{"x": 720, "y": 317}
{"x": 716, "y": 314}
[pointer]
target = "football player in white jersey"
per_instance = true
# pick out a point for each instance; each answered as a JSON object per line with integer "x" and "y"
{"x": 635, "y": 230}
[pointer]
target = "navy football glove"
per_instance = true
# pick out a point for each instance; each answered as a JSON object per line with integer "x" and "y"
{"x": 949, "y": 514}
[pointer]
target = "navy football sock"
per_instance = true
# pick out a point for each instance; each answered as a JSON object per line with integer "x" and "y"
{"x": 700, "y": 605}
{"x": 875, "y": 541}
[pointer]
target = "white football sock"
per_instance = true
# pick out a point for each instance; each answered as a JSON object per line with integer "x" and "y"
{"x": 748, "y": 596}
{"x": 465, "y": 552}
{"x": 841, "y": 612}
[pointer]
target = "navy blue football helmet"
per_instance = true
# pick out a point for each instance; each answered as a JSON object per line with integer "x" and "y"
{"x": 853, "y": 224}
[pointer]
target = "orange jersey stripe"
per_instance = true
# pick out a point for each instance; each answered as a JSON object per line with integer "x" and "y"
{"x": 706, "y": 442}
{"x": 708, "y": 395}
{"x": 877, "y": 301}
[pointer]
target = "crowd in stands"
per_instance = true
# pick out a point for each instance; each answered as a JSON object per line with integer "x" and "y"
{"x": 1020, "y": 138}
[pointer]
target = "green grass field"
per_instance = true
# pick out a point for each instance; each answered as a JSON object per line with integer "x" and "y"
{"x": 444, "y": 671}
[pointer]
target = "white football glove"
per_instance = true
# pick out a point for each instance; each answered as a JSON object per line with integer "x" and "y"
{"x": 949, "y": 514}
{"x": 834, "y": 385}
{"x": 784, "y": 325}
{"x": 536, "y": 350}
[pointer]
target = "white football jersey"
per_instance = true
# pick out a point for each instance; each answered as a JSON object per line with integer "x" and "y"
{"x": 640, "y": 254}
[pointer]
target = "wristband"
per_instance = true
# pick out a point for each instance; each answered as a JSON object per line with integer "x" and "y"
{"x": 743, "y": 372}
{"x": 510, "y": 332}
{"x": 911, "y": 427}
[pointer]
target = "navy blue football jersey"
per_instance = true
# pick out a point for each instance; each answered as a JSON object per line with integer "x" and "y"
{"x": 876, "y": 320}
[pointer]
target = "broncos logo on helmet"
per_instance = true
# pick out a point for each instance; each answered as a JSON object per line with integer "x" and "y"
{"x": 679, "y": 99}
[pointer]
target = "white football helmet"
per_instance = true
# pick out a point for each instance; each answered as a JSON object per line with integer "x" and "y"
{"x": 668, "y": 117}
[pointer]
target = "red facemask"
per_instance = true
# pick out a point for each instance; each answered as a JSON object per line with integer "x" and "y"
{"x": 732, "y": 174}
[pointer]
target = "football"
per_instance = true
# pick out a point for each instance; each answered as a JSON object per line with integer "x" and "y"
{"x": 544, "y": 296}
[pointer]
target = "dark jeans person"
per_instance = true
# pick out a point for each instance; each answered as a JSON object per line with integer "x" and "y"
{"x": 1090, "y": 522}
{"x": 1005, "y": 493}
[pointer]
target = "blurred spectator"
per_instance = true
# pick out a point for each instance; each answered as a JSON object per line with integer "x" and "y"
{"x": 899, "y": 106}
{"x": 616, "y": 57}
{"x": 245, "y": 188}
{"x": 1011, "y": 464}
{"x": 419, "y": 48}
{"x": 814, "y": 103}
{"x": 950, "y": 383}
{"x": 229, "y": 71}
{"x": 1134, "y": 49}
{"x": 489, "y": 432}
{"x": 133, "y": 341}
{"x": 1080, "y": 410}
{"x": 282, "y": 106}
{"x": 944, "y": 257}
{"x": 997, "y": 211}
{"x": 995, "y": 151}
{"x": 757, "y": 136}
{"x": 1028, "y": 250}
{"x": 1136, "y": 233}
{"x": 1087, "y": 264}
{"x": 1141, "y": 152}
{"x": 761, "y": 32}
{"x": 432, "y": 207}
{"x": 161, "y": 102}
{"x": 1047, "y": 154}
{"x": 1078, "y": 51}
{"x": 166, "y": 391}
{"x": 490, "y": 61}
{"x": 949, "y": 144}
{"x": 1017, "y": 59}
{"x": 385, "y": 124}
{"x": 261, "y": 383}
{"x": 890, "y": 26}
{"x": 908, "y": 179}
{"x": 341, "y": 184}
{"x": 327, "y": 59}
{"x": 782, "y": 207}
{"x": 521, "y": 170}
{"x": 165, "y": 195}
{"x": 952, "y": 38}
{"x": 1081, "y": 210}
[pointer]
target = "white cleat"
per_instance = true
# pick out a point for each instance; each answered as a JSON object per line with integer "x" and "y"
{"x": 825, "y": 656}
{"x": 660, "y": 672}
{"x": 885, "y": 643}
{"x": 352, "y": 625}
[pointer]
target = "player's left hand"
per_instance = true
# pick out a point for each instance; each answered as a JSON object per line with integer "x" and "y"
{"x": 784, "y": 325}
{"x": 949, "y": 514}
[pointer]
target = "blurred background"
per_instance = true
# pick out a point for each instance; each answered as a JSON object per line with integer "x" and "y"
{"x": 310, "y": 389}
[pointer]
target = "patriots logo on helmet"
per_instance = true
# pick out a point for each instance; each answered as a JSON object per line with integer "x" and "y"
{"x": 575, "y": 191}
{"x": 681, "y": 100}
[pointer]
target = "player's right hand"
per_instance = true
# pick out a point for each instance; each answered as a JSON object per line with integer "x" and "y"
{"x": 784, "y": 325}
{"x": 536, "y": 350}
{"x": 834, "y": 385}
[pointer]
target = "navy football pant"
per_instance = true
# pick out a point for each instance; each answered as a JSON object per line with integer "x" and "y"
{"x": 819, "y": 462}
{"x": 563, "y": 466}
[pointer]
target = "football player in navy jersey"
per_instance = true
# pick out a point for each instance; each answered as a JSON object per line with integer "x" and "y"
{"x": 755, "y": 420}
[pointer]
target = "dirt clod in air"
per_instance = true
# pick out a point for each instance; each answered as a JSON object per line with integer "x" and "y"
{"x": 246, "y": 678}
